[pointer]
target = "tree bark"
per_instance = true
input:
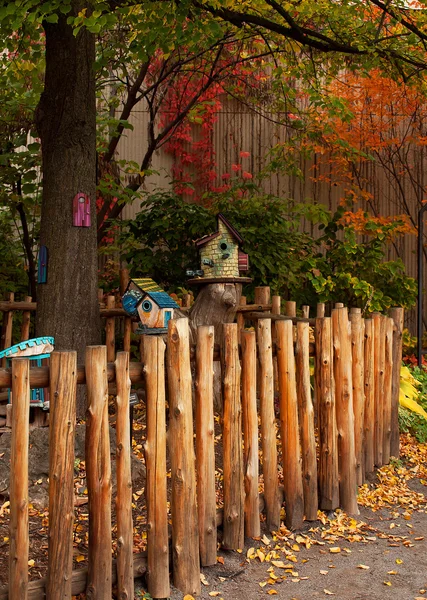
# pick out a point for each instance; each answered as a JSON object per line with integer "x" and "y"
{"x": 215, "y": 305}
{"x": 66, "y": 121}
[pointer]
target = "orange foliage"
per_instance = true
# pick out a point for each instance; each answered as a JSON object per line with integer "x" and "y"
{"x": 385, "y": 124}
{"x": 365, "y": 224}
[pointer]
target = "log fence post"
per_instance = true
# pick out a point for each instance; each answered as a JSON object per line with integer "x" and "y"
{"x": 262, "y": 295}
{"x": 250, "y": 434}
{"x": 268, "y": 424}
{"x": 344, "y": 410}
{"x": 110, "y": 331}
{"x": 289, "y": 427}
{"x": 388, "y": 385}
{"x": 290, "y": 308}
{"x": 369, "y": 386}
{"x": 233, "y": 523}
{"x": 185, "y": 532}
{"x": 241, "y": 318}
{"x": 18, "y": 524}
{"x": 320, "y": 310}
{"x": 7, "y": 327}
{"x": 306, "y": 421}
{"x": 98, "y": 474}
{"x": 379, "y": 360}
{"x": 125, "y": 585}
{"x": 63, "y": 387}
{"x": 328, "y": 433}
{"x": 397, "y": 315}
{"x": 155, "y": 456}
{"x": 357, "y": 353}
{"x": 205, "y": 446}
{"x": 26, "y": 322}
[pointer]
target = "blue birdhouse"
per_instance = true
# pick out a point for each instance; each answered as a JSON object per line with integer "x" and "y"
{"x": 144, "y": 298}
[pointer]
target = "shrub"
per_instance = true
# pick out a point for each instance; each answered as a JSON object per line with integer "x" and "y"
{"x": 336, "y": 266}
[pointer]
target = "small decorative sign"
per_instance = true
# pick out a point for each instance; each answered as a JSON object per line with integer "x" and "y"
{"x": 42, "y": 265}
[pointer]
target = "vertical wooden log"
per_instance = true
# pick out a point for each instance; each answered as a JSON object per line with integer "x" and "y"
{"x": 63, "y": 386}
{"x": 339, "y": 305}
{"x": 344, "y": 410}
{"x": 268, "y": 424}
{"x": 7, "y": 327}
{"x": 186, "y": 301}
{"x": 110, "y": 332}
{"x": 205, "y": 445}
{"x": 98, "y": 474}
{"x": 250, "y": 434}
{"x": 379, "y": 364}
{"x": 241, "y": 318}
{"x": 369, "y": 385}
{"x": 101, "y": 297}
{"x": 262, "y": 295}
{"x": 357, "y": 352}
{"x": 388, "y": 383}
{"x": 155, "y": 457}
{"x": 26, "y": 322}
{"x": 124, "y": 280}
{"x": 320, "y": 310}
{"x": 276, "y": 305}
{"x": 305, "y": 310}
{"x": 397, "y": 315}
{"x": 328, "y": 434}
{"x": 233, "y": 523}
{"x": 18, "y": 524}
{"x": 185, "y": 533}
{"x": 290, "y": 308}
{"x": 289, "y": 426}
{"x": 127, "y": 333}
{"x": 306, "y": 421}
{"x": 125, "y": 586}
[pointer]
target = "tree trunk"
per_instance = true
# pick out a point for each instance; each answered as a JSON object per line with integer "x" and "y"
{"x": 216, "y": 304}
{"x": 66, "y": 121}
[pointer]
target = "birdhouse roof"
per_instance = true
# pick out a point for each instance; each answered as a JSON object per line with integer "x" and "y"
{"x": 155, "y": 292}
{"x": 207, "y": 238}
{"x": 146, "y": 284}
{"x": 162, "y": 299}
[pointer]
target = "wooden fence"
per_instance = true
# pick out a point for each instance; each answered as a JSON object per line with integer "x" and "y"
{"x": 349, "y": 423}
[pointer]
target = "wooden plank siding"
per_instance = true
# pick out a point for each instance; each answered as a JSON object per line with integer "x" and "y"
{"x": 238, "y": 130}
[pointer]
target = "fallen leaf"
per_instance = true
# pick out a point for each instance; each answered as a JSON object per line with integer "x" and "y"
{"x": 363, "y": 567}
{"x": 329, "y": 593}
{"x": 335, "y": 550}
{"x": 271, "y": 592}
{"x": 31, "y": 563}
{"x": 399, "y": 561}
{"x": 387, "y": 583}
{"x": 250, "y": 553}
{"x": 323, "y": 572}
{"x": 219, "y": 559}
{"x": 188, "y": 597}
{"x": 203, "y": 579}
{"x": 214, "y": 594}
{"x": 279, "y": 564}
{"x": 260, "y": 555}
{"x": 265, "y": 540}
{"x": 79, "y": 558}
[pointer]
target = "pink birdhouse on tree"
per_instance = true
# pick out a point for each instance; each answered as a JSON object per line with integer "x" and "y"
{"x": 81, "y": 210}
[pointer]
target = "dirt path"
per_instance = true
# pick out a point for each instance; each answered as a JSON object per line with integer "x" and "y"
{"x": 395, "y": 570}
{"x": 378, "y": 555}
